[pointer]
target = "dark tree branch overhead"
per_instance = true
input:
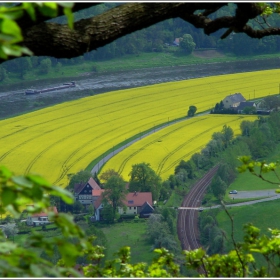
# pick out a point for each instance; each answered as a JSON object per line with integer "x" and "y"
{"x": 51, "y": 39}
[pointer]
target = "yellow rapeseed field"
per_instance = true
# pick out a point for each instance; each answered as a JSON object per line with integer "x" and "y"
{"x": 65, "y": 138}
{"x": 166, "y": 148}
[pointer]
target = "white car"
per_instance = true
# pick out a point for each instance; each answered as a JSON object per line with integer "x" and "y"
{"x": 233, "y": 192}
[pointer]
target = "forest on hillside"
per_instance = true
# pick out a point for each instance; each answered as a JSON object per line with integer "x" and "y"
{"x": 157, "y": 38}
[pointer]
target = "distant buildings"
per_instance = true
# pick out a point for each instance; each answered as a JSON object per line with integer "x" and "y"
{"x": 83, "y": 192}
{"x": 233, "y": 100}
{"x": 236, "y": 103}
{"x": 90, "y": 193}
{"x": 136, "y": 203}
{"x": 40, "y": 219}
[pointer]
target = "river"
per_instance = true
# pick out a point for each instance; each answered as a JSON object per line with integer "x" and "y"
{"x": 13, "y": 101}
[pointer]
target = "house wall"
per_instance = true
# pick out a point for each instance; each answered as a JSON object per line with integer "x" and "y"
{"x": 229, "y": 103}
{"x": 130, "y": 210}
{"x": 97, "y": 212}
{"x": 37, "y": 220}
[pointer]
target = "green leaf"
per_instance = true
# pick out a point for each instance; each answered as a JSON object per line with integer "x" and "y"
{"x": 10, "y": 13}
{"x": 12, "y": 50}
{"x": 69, "y": 5}
{"x": 64, "y": 194}
{"x": 10, "y": 27}
{"x": 69, "y": 253}
{"x": 37, "y": 193}
{"x": 70, "y": 17}
{"x": 5, "y": 172}
{"x": 8, "y": 196}
{"x": 48, "y": 9}
{"x": 22, "y": 181}
{"x": 29, "y": 7}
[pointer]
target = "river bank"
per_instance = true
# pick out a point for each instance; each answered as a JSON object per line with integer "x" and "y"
{"x": 14, "y": 102}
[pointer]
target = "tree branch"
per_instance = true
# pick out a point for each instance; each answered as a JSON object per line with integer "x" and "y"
{"x": 51, "y": 39}
{"x": 26, "y": 22}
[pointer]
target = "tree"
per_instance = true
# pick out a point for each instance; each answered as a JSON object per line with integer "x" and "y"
{"x": 144, "y": 179}
{"x": 192, "y": 110}
{"x": 272, "y": 102}
{"x": 249, "y": 110}
{"x": 228, "y": 134}
{"x": 218, "y": 187}
{"x": 105, "y": 176}
{"x": 32, "y": 32}
{"x": 78, "y": 207}
{"x": 187, "y": 44}
{"x": 115, "y": 192}
{"x": 45, "y": 66}
{"x": 10, "y": 229}
{"x": 80, "y": 177}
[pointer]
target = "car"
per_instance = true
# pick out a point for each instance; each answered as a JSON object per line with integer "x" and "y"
{"x": 233, "y": 192}
{"x": 200, "y": 209}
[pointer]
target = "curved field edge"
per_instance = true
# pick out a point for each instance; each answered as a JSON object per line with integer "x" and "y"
{"x": 167, "y": 147}
{"x": 63, "y": 139}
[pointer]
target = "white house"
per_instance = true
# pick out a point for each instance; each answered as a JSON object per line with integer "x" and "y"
{"x": 40, "y": 219}
{"x": 135, "y": 203}
{"x": 233, "y": 100}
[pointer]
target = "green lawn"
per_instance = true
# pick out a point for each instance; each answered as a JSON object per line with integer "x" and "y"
{"x": 129, "y": 234}
{"x": 263, "y": 215}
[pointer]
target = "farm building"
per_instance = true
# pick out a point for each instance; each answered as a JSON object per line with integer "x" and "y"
{"x": 40, "y": 219}
{"x": 83, "y": 191}
{"x": 136, "y": 203}
{"x": 245, "y": 104}
{"x": 233, "y": 100}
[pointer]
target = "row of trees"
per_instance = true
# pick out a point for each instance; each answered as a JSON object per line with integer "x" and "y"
{"x": 258, "y": 140}
{"x": 150, "y": 39}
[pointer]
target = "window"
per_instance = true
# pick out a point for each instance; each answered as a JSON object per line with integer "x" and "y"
{"x": 134, "y": 208}
{"x": 130, "y": 202}
{"x": 129, "y": 208}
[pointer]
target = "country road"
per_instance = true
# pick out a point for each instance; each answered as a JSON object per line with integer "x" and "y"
{"x": 98, "y": 166}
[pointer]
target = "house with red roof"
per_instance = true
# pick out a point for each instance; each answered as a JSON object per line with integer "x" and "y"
{"x": 136, "y": 203}
{"x": 83, "y": 191}
{"x": 40, "y": 219}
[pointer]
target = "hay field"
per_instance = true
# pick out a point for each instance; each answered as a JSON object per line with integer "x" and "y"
{"x": 65, "y": 138}
{"x": 166, "y": 148}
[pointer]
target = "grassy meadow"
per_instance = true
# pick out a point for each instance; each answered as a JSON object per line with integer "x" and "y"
{"x": 259, "y": 214}
{"x": 166, "y": 148}
{"x": 129, "y": 234}
{"x": 63, "y": 139}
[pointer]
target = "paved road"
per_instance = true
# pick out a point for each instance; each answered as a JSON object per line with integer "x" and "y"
{"x": 99, "y": 165}
{"x": 252, "y": 194}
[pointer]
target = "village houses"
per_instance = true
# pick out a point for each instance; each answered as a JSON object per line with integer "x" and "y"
{"x": 135, "y": 203}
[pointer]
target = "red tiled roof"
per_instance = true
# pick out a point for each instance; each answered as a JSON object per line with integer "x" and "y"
{"x": 97, "y": 202}
{"x": 79, "y": 186}
{"x": 93, "y": 184}
{"x": 42, "y": 214}
{"x": 97, "y": 192}
{"x": 138, "y": 198}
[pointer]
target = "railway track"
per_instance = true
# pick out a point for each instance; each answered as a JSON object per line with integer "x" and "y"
{"x": 187, "y": 224}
